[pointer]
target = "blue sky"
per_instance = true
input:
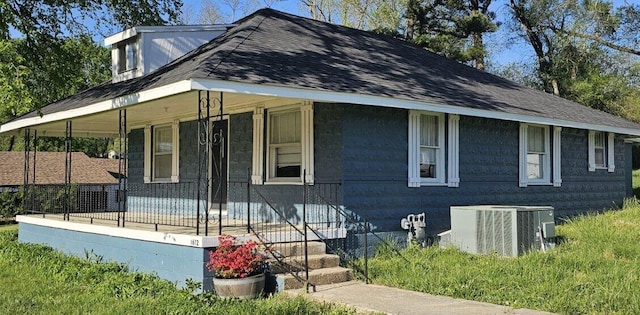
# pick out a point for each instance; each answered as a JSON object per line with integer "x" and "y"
{"x": 502, "y": 44}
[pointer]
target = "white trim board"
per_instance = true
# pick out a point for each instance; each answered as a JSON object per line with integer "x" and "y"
{"x": 144, "y": 235}
{"x": 299, "y": 93}
{"x": 352, "y": 98}
{"x": 171, "y": 238}
{"x": 115, "y": 103}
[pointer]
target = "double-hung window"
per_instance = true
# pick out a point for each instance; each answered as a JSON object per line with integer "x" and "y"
{"x": 601, "y": 151}
{"x": 285, "y": 147}
{"x": 536, "y": 167}
{"x": 288, "y": 138}
{"x": 127, "y": 55}
{"x": 161, "y": 153}
{"x": 428, "y": 149}
{"x": 162, "y": 139}
{"x": 538, "y": 153}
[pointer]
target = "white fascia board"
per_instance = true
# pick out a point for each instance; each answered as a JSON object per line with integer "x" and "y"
{"x": 118, "y": 37}
{"x": 131, "y": 32}
{"x": 353, "y": 98}
{"x": 115, "y": 103}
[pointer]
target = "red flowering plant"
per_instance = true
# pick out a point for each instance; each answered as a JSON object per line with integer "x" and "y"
{"x": 231, "y": 260}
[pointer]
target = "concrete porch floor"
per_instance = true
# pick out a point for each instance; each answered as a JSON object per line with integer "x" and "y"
{"x": 186, "y": 226}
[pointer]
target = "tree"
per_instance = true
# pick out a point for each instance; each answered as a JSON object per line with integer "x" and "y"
{"x": 383, "y": 16}
{"x": 47, "y": 50}
{"x": 453, "y": 28}
{"x": 575, "y": 67}
{"x": 615, "y": 28}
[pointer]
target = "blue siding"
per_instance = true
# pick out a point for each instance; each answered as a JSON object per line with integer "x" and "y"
{"x": 188, "y": 151}
{"x": 365, "y": 148}
{"x": 154, "y": 196}
{"x": 375, "y": 171}
{"x": 135, "y": 162}
{"x": 240, "y": 146}
{"x": 172, "y": 262}
{"x": 328, "y": 142}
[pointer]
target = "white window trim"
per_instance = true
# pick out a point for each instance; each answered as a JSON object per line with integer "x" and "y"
{"x": 306, "y": 142}
{"x": 610, "y": 152}
{"x": 451, "y": 170}
{"x": 453, "y": 147}
{"x": 258, "y": 146}
{"x": 524, "y": 180}
{"x": 148, "y": 154}
{"x": 557, "y": 159}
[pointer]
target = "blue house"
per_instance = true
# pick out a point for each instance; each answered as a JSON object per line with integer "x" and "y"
{"x": 279, "y": 120}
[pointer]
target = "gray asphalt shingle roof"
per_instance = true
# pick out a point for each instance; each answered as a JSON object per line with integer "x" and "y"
{"x": 274, "y": 48}
{"x": 50, "y": 169}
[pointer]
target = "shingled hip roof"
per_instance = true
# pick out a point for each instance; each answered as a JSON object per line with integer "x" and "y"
{"x": 325, "y": 62}
{"x": 50, "y": 169}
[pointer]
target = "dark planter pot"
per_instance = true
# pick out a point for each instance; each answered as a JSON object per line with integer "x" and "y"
{"x": 243, "y": 288}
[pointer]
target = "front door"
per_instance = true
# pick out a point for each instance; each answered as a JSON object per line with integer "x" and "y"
{"x": 219, "y": 171}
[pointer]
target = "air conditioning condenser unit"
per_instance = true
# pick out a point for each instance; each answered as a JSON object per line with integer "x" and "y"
{"x": 504, "y": 230}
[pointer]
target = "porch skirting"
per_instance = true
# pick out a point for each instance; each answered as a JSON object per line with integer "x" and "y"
{"x": 173, "y": 257}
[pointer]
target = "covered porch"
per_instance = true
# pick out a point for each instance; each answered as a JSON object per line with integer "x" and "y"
{"x": 166, "y": 221}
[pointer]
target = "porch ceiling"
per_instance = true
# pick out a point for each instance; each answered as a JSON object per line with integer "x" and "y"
{"x": 183, "y": 106}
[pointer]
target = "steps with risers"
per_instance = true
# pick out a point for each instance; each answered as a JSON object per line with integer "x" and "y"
{"x": 323, "y": 268}
{"x": 297, "y": 263}
{"x": 316, "y": 277}
{"x": 297, "y": 249}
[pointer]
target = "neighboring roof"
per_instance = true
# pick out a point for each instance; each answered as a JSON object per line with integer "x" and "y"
{"x": 276, "y": 49}
{"x": 50, "y": 168}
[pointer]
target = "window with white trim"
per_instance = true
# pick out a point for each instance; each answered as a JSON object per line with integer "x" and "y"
{"x": 428, "y": 148}
{"x": 289, "y": 144}
{"x": 162, "y": 139}
{"x": 127, "y": 55}
{"x": 535, "y": 155}
{"x": 161, "y": 153}
{"x": 601, "y": 151}
{"x": 285, "y": 146}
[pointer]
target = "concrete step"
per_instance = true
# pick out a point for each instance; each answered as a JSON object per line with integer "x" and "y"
{"x": 297, "y": 248}
{"x": 297, "y": 263}
{"x": 316, "y": 277}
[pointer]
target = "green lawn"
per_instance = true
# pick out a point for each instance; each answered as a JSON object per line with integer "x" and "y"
{"x": 8, "y": 227}
{"x": 595, "y": 269}
{"x": 38, "y": 280}
{"x": 636, "y": 182}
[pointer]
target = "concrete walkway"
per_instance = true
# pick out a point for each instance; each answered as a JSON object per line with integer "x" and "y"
{"x": 380, "y": 299}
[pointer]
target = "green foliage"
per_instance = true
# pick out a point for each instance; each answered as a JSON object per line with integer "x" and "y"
{"x": 452, "y": 28}
{"x": 10, "y": 204}
{"x": 47, "y": 52}
{"x": 15, "y": 98}
{"x": 593, "y": 269}
{"x": 38, "y": 280}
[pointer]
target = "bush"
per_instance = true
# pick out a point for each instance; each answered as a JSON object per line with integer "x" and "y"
{"x": 10, "y": 204}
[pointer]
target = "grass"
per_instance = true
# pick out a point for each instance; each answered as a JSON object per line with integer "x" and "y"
{"x": 8, "y": 227}
{"x": 595, "y": 270}
{"x": 636, "y": 182}
{"x": 36, "y": 279}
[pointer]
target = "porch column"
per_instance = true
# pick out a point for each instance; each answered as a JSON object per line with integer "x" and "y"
{"x": 204, "y": 127}
{"x": 122, "y": 167}
{"x": 219, "y": 141}
{"x": 67, "y": 171}
{"x": 28, "y": 189}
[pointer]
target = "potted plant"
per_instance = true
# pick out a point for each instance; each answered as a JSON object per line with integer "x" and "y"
{"x": 238, "y": 268}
